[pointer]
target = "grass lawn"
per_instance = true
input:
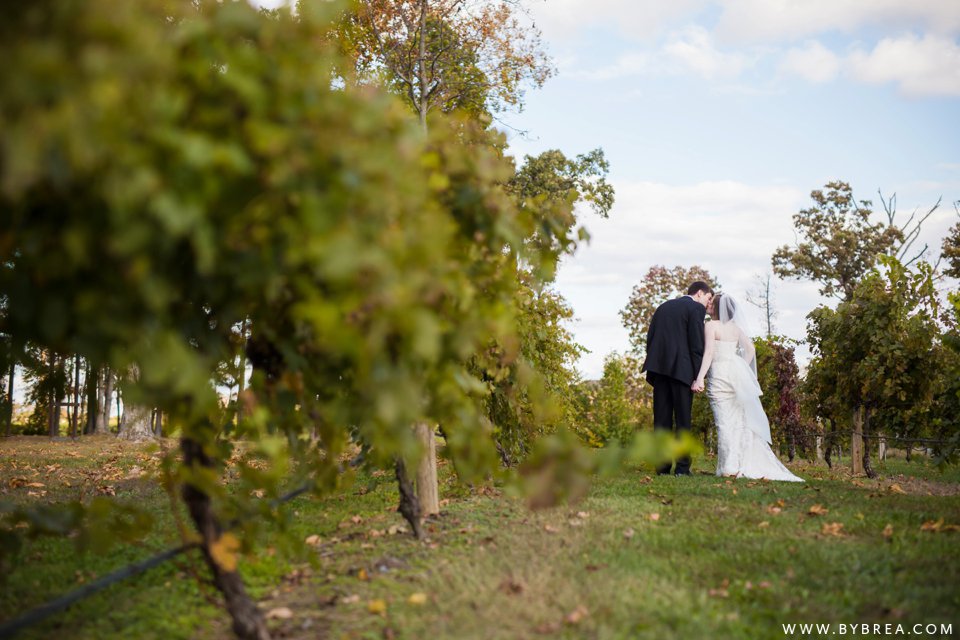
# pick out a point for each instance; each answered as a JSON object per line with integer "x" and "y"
{"x": 641, "y": 556}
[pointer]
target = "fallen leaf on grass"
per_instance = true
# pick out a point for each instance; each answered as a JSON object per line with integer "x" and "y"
{"x": 418, "y": 599}
{"x": 313, "y": 540}
{"x": 224, "y": 551}
{"x": 774, "y": 510}
{"x": 888, "y": 531}
{"x": 377, "y": 607}
{"x": 281, "y": 613}
{"x": 817, "y": 510}
{"x": 896, "y": 488}
{"x": 655, "y": 516}
{"x": 628, "y": 533}
{"x": 395, "y": 529}
{"x": 764, "y": 524}
{"x": 549, "y": 528}
{"x": 547, "y": 628}
{"x": 511, "y": 587}
{"x": 938, "y": 526}
{"x": 354, "y": 599}
{"x": 832, "y": 529}
{"x": 577, "y": 615}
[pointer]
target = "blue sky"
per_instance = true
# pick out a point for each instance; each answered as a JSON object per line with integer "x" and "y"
{"x": 719, "y": 118}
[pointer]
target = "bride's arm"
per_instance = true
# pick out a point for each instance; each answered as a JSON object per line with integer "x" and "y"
{"x": 709, "y": 339}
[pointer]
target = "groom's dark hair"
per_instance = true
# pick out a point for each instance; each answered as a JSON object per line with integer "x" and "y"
{"x": 697, "y": 287}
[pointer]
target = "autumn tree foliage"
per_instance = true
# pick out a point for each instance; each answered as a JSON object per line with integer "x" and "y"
{"x": 951, "y": 248}
{"x": 778, "y": 375}
{"x": 657, "y": 286}
{"x": 443, "y": 55}
{"x": 839, "y": 243}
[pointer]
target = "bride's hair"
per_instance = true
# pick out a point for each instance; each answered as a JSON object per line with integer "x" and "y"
{"x": 723, "y": 312}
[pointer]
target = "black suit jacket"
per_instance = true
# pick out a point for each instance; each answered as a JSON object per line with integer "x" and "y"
{"x": 675, "y": 340}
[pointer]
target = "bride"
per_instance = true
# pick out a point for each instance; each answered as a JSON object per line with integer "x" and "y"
{"x": 730, "y": 367}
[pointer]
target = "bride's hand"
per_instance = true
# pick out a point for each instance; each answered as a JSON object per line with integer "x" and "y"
{"x": 697, "y": 385}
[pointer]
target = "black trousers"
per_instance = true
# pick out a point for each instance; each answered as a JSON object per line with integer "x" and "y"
{"x": 672, "y": 406}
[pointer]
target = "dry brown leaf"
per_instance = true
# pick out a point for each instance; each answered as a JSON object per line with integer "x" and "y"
{"x": 764, "y": 524}
{"x": 888, "y": 531}
{"x": 628, "y": 533}
{"x": 549, "y": 528}
{"x": 511, "y": 587}
{"x": 224, "y": 551}
{"x": 280, "y": 613}
{"x": 577, "y": 615}
{"x": 896, "y": 488}
{"x": 932, "y": 525}
{"x": 377, "y": 607}
{"x": 418, "y": 599}
{"x": 655, "y": 516}
{"x": 832, "y": 529}
{"x": 817, "y": 510}
{"x": 313, "y": 540}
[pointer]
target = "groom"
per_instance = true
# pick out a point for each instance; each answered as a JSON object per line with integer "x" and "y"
{"x": 674, "y": 353}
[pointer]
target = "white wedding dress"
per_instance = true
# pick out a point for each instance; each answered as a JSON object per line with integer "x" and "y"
{"x": 743, "y": 431}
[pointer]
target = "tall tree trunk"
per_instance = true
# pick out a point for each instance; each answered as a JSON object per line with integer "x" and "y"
{"x": 421, "y": 65}
{"x": 829, "y": 442}
{"x": 53, "y": 420}
{"x": 93, "y": 408}
{"x": 136, "y": 424}
{"x": 791, "y": 445}
{"x": 76, "y": 396}
{"x": 867, "y": 467}
{"x": 248, "y": 621}
{"x": 856, "y": 443}
{"x": 106, "y": 396}
{"x": 11, "y": 375}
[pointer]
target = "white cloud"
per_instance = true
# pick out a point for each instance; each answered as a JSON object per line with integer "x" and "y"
{"x": 777, "y": 20}
{"x": 690, "y": 49}
{"x": 918, "y": 66}
{"x": 728, "y": 227}
{"x": 693, "y": 49}
{"x": 813, "y": 62}
{"x": 561, "y": 20}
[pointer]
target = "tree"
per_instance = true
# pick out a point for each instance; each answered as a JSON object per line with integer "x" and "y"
{"x": 762, "y": 298}
{"x": 657, "y": 286}
{"x": 951, "y": 247}
{"x": 839, "y": 243}
{"x": 778, "y": 375}
{"x": 169, "y": 171}
{"x": 441, "y": 55}
{"x": 879, "y": 347}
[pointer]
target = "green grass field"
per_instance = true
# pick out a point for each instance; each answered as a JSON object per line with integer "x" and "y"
{"x": 641, "y": 556}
